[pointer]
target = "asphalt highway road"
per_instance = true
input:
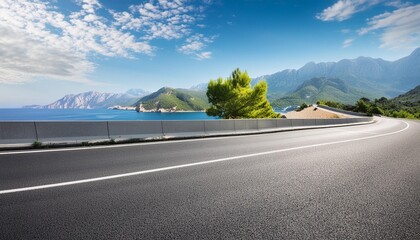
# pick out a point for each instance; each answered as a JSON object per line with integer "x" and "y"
{"x": 359, "y": 182}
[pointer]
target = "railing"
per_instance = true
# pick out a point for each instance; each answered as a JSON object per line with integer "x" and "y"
{"x": 81, "y": 131}
{"x": 343, "y": 111}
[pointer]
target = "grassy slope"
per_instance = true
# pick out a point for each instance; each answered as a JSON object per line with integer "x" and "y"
{"x": 321, "y": 88}
{"x": 182, "y": 99}
{"x": 404, "y": 106}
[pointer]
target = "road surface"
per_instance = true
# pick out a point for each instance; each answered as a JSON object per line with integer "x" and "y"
{"x": 359, "y": 182}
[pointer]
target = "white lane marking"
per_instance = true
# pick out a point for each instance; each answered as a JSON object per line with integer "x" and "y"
{"x": 190, "y": 164}
{"x": 169, "y": 141}
{"x": 119, "y": 145}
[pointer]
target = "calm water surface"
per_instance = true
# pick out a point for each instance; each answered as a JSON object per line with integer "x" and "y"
{"x": 21, "y": 114}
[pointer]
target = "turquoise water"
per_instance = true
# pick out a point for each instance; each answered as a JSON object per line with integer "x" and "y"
{"x": 21, "y": 114}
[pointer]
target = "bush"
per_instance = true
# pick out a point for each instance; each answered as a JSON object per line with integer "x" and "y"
{"x": 330, "y": 104}
{"x": 402, "y": 114}
{"x": 373, "y": 109}
{"x": 382, "y": 106}
{"x": 37, "y": 144}
{"x": 361, "y": 106}
{"x": 301, "y": 107}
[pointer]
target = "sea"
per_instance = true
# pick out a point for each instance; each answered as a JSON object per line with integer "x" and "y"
{"x": 27, "y": 114}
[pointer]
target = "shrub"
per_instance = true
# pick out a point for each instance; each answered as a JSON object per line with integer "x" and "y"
{"x": 301, "y": 107}
{"x": 37, "y": 144}
{"x": 361, "y": 106}
{"x": 373, "y": 109}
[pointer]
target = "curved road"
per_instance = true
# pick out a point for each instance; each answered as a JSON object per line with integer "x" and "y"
{"x": 359, "y": 182}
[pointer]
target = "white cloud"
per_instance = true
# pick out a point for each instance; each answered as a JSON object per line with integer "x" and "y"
{"x": 38, "y": 41}
{"x": 194, "y": 45}
{"x": 344, "y": 9}
{"x": 347, "y": 43}
{"x": 203, "y": 55}
{"x": 19, "y": 63}
{"x": 399, "y": 29}
{"x": 160, "y": 19}
{"x": 397, "y": 4}
{"x": 191, "y": 47}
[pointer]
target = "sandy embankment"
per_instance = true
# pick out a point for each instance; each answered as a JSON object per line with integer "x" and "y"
{"x": 310, "y": 112}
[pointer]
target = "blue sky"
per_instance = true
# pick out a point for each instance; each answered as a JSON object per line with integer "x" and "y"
{"x": 52, "y": 48}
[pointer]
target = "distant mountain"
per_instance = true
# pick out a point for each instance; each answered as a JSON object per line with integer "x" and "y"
{"x": 406, "y": 105}
{"x": 412, "y": 96}
{"x": 374, "y": 76}
{"x": 94, "y": 100}
{"x": 171, "y": 98}
{"x": 332, "y": 89}
{"x": 200, "y": 87}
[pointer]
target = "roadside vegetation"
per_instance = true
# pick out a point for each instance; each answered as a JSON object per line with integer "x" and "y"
{"x": 234, "y": 98}
{"x": 397, "y": 107}
{"x": 302, "y": 106}
{"x": 37, "y": 144}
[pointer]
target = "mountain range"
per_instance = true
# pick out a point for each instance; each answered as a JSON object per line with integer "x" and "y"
{"x": 344, "y": 81}
{"x": 412, "y": 96}
{"x": 332, "y": 89}
{"x": 94, "y": 100}
{"x": 375, "y": 77}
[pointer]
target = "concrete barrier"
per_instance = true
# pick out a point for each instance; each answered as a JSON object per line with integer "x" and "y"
{"x": 266, "y": 124}
{"x": 328, "y": 122}
{"x": 135, "y": 129}
{"x": 343, "y": 111}
{"x": 66, "y": 131}
{"x": 72, "y": 131}
{"x": 309, "y": 122}
{"x": 246, "y": 125}
{"x": 284, "y": 123}
{"x": 363, "y": 120}
{"x": 216, "y": 127}
{"x": 17, "y": 132}
{"x": 320, "y": 122}
{"x": 297, "y": 122}
{"x": 183, "y": 128}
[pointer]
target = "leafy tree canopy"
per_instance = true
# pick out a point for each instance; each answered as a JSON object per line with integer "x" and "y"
{"x": 235, "y": 98}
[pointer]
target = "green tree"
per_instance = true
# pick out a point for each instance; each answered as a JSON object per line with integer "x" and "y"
{"x": 301, "y": 107}
{"x": 234, "y": 98}
{"x": 373, "y": 109}
{"x": 366, "y": 100}
{"x": 361, "y": 106}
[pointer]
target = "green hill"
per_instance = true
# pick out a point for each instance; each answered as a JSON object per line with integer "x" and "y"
{"x": 411, "y": 96}
{"x": 310, "y": 91}
{"x": 406, "y": 105}
{"x": 169, "y": 98}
